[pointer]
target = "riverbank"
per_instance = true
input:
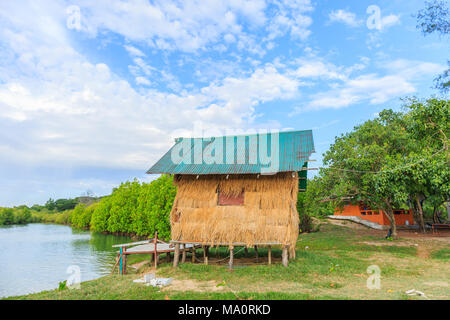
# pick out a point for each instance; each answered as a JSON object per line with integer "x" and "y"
{"x": 330, "y": 264}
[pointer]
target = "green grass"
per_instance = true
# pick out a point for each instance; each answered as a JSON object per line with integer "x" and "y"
{"x": 330, "y": 264}
{"x": 442, "y": 254}
{"x": 121, "y": 287}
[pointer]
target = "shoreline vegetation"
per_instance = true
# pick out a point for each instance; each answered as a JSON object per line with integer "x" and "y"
{"x": 134, "y": 209}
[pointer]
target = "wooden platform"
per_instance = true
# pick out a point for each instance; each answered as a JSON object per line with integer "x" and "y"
{"x": 155, "y": 247}
{"x": 150, "y": 248}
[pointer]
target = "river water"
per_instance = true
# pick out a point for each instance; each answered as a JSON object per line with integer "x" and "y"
{"x": 36, "y": 257}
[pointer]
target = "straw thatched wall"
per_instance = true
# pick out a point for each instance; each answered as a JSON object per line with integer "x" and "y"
{"x": 268, "y": 215}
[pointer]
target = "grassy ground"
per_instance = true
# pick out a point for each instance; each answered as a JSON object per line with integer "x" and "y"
{"x": 330, "y": 264}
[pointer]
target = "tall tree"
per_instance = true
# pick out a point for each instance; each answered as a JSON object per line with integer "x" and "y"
{"x": 355, "y": 159}
{"x": 428, "y": 125}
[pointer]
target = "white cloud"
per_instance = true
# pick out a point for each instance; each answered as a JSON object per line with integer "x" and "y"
{"x": 188, "y": 25}
{"x": 290, "y": 17}
{"x": 389, "y": 21}
{"x": 133, "y": 51}
{"x": 401, "y": 76}
{"x": 344, "y": 16}
{"x": 142, "y": 81}
{"x": 313, "y": 67}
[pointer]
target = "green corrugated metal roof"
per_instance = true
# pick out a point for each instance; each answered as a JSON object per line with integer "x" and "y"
{"x": 242, "y": 154}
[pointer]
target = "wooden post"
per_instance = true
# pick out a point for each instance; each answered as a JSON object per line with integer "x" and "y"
{"x": 270, "y": 255}
{"x": 285, "y": 256}
{"x": 205, "y": 254}
{"x": 256, "y": 253}
{"x": 155, "y": 242}
{"x": 121, "y": 261}
{"x": 230, "y": 265}
{"x": 246, "y": 251}
{"x": 193, "y": 254}
{"x": 176, "y": 255}
{"x": 124, "y": 260}
{"x": 183, "y": 256}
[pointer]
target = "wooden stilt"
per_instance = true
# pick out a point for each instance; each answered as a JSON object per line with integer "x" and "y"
{"x": 176, "y": 255}
{"x": 121, "y": 261}
{"x": 231, "y": 257}
{"x": 246, "y": 251}
{"x": 206, "y": 254}
{"x": 124, "y": 261}
{"x": 284, "y": 256}
{"x": 155, "y": 242}
{"x": 256, "y": 253}
{"x": 270, "y": 256}
{"x": 183, "y": 256}
{"x": 193, "y": 254}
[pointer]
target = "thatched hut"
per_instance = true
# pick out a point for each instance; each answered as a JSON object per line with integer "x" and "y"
{"x": 242, "y": 192}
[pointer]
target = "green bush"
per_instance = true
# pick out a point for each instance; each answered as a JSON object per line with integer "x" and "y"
{"x": 22, "y": 216}
{"x": 6, "y": 216}
{"x": 82, "y": 214}
{"x": 155, "y": 203}
{"x": 63, "y": 217}
{"x": 141, "y": 209}
{"x": 124, "y": 201}
{"x": 76, "y": 217}
{"x": 100, "y": 217}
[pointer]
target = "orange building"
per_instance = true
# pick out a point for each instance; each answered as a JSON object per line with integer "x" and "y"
{"x": 402, "y": 217}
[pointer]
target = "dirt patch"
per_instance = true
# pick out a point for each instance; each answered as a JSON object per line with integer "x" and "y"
{"x": 423, "y": 247}
{"x": 437, "y": 284}
{"x": 389, "y": 243}
{"x": 138, "y": 265}
{"x": 424, "y": 251}
{"x": 195, "y": 285}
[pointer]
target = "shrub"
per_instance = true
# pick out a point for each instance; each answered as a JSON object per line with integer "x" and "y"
{"x": 22, "y": 216}
{"x": 100, "y": 216}
{"x": 6, "y": 216}
{"x": 82, "y": 215}
{"x": 155, "y": 203}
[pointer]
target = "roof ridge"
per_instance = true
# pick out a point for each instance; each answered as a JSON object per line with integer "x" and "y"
{"x": 246, "y": 135}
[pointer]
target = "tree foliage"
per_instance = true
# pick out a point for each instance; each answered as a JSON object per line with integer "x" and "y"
{"x": 141, "y": 209}
{"x": 397, "y": 160}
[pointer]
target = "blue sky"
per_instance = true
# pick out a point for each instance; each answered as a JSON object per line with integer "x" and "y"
{"x": 93, "y": 93}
